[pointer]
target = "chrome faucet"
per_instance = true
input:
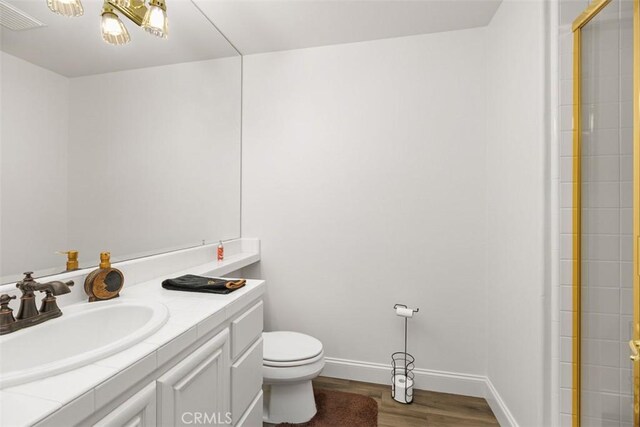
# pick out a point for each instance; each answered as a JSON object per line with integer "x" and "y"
{"x": 28, "y": 315}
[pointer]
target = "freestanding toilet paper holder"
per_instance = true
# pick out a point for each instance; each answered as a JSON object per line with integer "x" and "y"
{"x": 403, "y": 363}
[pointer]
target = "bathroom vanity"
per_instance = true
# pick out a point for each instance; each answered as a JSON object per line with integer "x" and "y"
{"x": 201, "y": 365}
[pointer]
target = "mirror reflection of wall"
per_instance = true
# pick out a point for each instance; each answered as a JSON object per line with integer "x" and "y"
{"x": 97, "y": 141}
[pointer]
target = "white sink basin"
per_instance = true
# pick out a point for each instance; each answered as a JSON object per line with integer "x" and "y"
{"x": 83, "y": 334}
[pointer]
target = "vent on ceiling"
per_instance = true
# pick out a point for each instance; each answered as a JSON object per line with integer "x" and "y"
{"x": 14, "y": 19}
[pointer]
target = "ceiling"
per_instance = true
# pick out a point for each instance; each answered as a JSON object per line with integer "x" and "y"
{"x": 73, "y": 46}
{"x": 256, "y": 26}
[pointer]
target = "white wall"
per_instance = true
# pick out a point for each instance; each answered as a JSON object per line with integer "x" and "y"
{"x": 363, "y": 175}
{"x": 516, "y": 207}
{"x": 156, "y": 158}
{"x": 33, "y": 168}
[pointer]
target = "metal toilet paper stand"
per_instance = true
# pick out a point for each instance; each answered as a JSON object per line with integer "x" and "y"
{"x": 402, "y": 363}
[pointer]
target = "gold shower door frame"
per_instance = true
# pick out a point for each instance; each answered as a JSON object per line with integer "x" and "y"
{"x": 594, "y": 8}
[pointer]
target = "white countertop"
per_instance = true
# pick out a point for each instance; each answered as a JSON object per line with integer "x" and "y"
{"x": 191, "y": 316}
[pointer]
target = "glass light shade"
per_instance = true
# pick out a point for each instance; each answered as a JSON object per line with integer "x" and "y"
{"x": 66, "y": 7}
{"x": 113, "y": 30}
{"x": 155, "y": 21}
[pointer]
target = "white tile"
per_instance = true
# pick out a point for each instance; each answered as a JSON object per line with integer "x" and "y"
{"x": 626, "y": 274}
{"x": 566, "y": 246}
{"x": 626, "y": 168}
{"x": 566, "y": 375}
{"x": 600, "y": 378}
{"x": 566, "y": 273}
{"x": 566, "y": 169}
{"x": 566, "y": 352}
{"x": 566, "y": 220}
{"x": 178, "y": 344}
{"x": 600, "y": 89}
{"x": 79, "y": 409}
{"x": 601, "y": 194}
{"x": 601, "y": 352}
{"x": 626, "y": 195}
{"x": 626, "y": 325}
{"x": 67, "y": 386}
{"x": 601, "y": 273}
{"x": 626, "y": 114}
{"x": 601, "y": 63}
{"x": 566, "y": 323}
{"x": 626, "y": 221}
{"x": 625, "y": 353}
{"x": 566, "y": 66}
{"x": 19, "y": 410}
{"x": 601, "y": 142}
{"x": 565, "y": 400}
{"x": 602, "y": 300}
{"x": 566, "y": 118}
{"x": 600, "y": 221}
{"x": 566, "y": 143}
{"x": 566, "y": 195}
{"x": 600, "y": 326}
{"x": 626, "y": 248}
{"x": 626, "y": 141}
{"x": 601, "y": 116}
{"x": 626, "y": 301}
{"x": 126, "y": 358}
{"x": 626, "y": 382}
{"x": 601, "y": 168}
{"x": 626, "y": 410}
{"x": 566, "y": 298}
{"x": 566, "y": 92}
{"x": 601, "y": 247}
{"x": 112, "y": 388}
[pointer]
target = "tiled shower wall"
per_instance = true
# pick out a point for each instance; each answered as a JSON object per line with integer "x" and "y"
{"x": 607, "y": 227}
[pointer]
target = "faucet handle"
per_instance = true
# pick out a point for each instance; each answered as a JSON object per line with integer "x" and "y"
{"x": 28, "y": 275}
{"x": 5, "y": 300}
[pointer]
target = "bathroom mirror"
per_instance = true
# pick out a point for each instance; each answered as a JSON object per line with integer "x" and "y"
{"x": 132, "y": 149}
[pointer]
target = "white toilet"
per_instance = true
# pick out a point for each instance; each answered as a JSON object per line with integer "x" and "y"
{"x": 291, "y": 360}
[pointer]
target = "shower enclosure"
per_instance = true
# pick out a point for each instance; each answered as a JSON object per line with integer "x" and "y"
{"x": 606, "y": 214}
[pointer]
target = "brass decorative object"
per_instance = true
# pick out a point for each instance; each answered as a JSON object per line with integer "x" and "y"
{"x": 104, "y": 283}
{"x": 72, "y": 260}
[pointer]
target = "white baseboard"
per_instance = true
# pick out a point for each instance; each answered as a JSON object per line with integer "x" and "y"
{"x": 498, "y": 406}
{"x": 425, "y": 379}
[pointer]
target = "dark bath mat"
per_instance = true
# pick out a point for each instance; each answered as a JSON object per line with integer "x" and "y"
{"x": 340, "y": 409}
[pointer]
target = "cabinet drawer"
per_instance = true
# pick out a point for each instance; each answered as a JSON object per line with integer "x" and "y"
{"x": 246, "y": 379}
{"x": 138, "y": 411}
{"x": 245, "y": 329}
{"x": 253, "y": 416}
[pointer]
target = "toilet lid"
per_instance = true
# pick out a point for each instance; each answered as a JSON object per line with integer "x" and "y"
{"x": 284, "y": 346}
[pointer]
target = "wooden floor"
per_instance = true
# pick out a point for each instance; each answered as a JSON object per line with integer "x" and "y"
{"x": 428, "y": 408}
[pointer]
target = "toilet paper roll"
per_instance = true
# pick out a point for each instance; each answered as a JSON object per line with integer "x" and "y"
{"x": 404, "y": 312}
{"x": 403, "y": 389}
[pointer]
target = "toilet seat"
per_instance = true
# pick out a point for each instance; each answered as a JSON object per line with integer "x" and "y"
{"x": 293, "y": 363}
{"x": 284, "y": 348}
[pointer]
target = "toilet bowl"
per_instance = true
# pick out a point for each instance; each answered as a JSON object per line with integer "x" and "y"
{"x": 291, "y": 360}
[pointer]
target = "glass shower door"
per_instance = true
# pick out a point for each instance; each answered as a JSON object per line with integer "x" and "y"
{"x": 607, "y": 218}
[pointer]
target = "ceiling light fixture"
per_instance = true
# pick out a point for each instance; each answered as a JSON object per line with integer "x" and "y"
{"x": 66, "y": 7}
{"x": 151, "y": 17}
{"x": 155, "y": 20}
{"x": 113, "y": 30}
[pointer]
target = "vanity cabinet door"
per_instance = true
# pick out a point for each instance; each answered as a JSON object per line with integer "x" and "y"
{"x": 138, "y": 411}
{"x": 196, "y": 390}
